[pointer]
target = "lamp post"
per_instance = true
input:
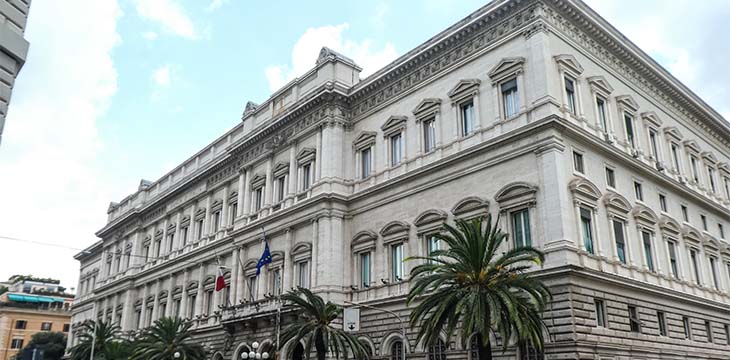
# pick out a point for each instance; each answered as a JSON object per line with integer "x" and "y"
{"x": 400, "y": 320}
{"x": 254, "y": 354}
{"x": 176, "y": 355}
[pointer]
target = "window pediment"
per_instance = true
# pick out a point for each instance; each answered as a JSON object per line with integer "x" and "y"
{"x": 363, "y": 240}
{"x": 192, "y": 286}
{"x": 669, "y": 225}
{"x": 199, "y": 214}
{"x": 471, "y": 205}
{"x": 395, "y": 230}
{"x": 709, "y": 157}
{"x": 691, "y": 234}
{"x": 257, "y": 181}
{"x": 233, "y": 196}
{"x": 394, "y": 124}
{"x": 628, "y": 102}
{"x": 280, "y": 169}
{"x": 616, "y": 202}
{"x": 600, "y": 84}
{"x": 430, "y": 220}
{"x": 673, "y": 132}
{"x": 569, "y": 63}
{"x": 584, "y": 191}
{"x": 464, "y": 88}
{"x": 306, "y": 155}
{"x": 711, "y": 243}
{"x": 365, "y": 139}
{"x": 643, "y": 214}
{"x": 506, "y": 68}
{"x": 651, "y": 118}
{"x": 724, "y": 167}
{"x": 427, "y": 107}
{"x": 692, "y": 145}
{"x": 277, "y": 258}
{"x": 158, "y": 234}
{"x": 217, "y": 205}
{"x": 516, "y": 194}
{"x": 301, "y": 251}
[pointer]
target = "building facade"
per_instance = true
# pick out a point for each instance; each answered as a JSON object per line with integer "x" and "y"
{"x": 22, "y": 315}
{"x": 13, "y": 49}
{"x": 537, "y": 111}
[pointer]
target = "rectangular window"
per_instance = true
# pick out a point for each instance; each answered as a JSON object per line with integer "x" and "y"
{"x": 429, "y": 135}
{"x": 570, "y": 94}
{"x": 587, "y": 228}
{"x": 396, "y": 149}
{"x": 510, "y": 98}
{"x": 366, "y": 158}
{"x": 252, "y": 287}
{"x": 703, "y": 218}
{"x": 695, "y": 266}
{"x": 663, "y": 202}
{"x": 648, "y": 253}
{"x": 620, "y": 239}
{"x": 634, "y": 321}
{"x": 629, "y": 124}
{"x": 685, "y": 214}
{"x": 176, "y": 308}
{"x": 662, "y": 322}
{"x": 20, "y": 324}
{"x": 726, "y": 183}
{"x": 673, "y": 259}
{"x": 721, "y": 230}
{"x": 578, "y": 162}
{"x": 280, "y": 188}
{"x": 158, "y": 245}
{"x": 365, "y": 269}
{"x": 66, "y": 327}
{"x": 708, "y": 330}
{"x": 46, "y": 326}
{"x": 396, "y": 255}
{"x": 653, "y": 144}
{"x": 601, "y": 110}
{"x": 433, "y": 244}
{"x": 216, "y": 221}
{"x": 711, "y": 178}
{"x": 600, "y": 313}
{"x": 468, "y": 120}
{"x": 713, "y": 270}
{"x": 16, "y": 344}
{"x": 233, "y": 212}
{"x": 303, "y": 274}
{"x": 184, "y": 235}
{"x": 675, "y": 157}
{"x": 307, "y": 174}
{"x": 199, "y": 228}
{"x": 276, "y": 281}
{"x": 521, "y": 227}
{"x": 727, "y": 333}
{"x": 638, "y": 191}
{"x": 258, "y": 198}
{"x": 191, "y": 305}
{"x": 209, "y": 305}
{"x": 687, "y": 327}
{"x": 610, "y": 178}
{"x": 695, "y": 171}
{"x": 170, "y": 242}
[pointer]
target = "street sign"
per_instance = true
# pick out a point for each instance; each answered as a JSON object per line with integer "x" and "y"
{"x": 351, "y": 321}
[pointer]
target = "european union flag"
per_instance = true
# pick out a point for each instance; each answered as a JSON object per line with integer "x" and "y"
{"x": 265, "y": 259}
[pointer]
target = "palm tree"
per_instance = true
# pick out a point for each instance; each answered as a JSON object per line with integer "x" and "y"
{"x": 469, "y": 284}
{"x": 107, "y": 343}
{"x": 314, "y": 325}
{"x": 166, "y": 337}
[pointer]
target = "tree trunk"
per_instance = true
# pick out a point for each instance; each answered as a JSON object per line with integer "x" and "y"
{"x": 320, "y": 347}
{"x": 485, "y": 349}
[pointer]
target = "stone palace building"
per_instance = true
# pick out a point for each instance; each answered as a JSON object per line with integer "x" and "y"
{"x": 538, "y": 111}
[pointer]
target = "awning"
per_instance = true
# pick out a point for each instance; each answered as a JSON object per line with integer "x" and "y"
{"x": 33, "y": 298}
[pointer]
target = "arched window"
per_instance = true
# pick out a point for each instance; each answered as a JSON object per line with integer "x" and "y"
{"x": 298, "y": 353}
{"x": 396, "y": 350}
{"x": 437, "y": 351}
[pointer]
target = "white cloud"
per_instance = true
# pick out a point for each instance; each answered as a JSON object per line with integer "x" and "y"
{"x": 215, "y": 4}
{"x": 149, "y": 35}
{"x": 168, "y": 14}
{"x": 53, "y": 188}
{"x": 311, "y": 42}
{"x": 161, "y": 76}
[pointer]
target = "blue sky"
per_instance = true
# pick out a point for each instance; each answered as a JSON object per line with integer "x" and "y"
{"x": 118, "y": 90}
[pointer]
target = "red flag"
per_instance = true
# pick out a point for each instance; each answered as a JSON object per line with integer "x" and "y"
{"x": 220, "y": 282}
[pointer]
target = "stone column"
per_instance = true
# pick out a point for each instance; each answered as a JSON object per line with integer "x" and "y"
{"x": 206, "y": 222}
{"x": 200, "y": 294}
{"x": 224, "y": 210}
{"x": 143, "y": 317}
{"x": 247, "y": 193}
{"x": 313, "y": 268}
{"x": 241, "y": 286}
{"x": 318, "y": 157}
{"x": 164, "y": 243}
{"x": 292, "y": 171}
{"x": 241, "y": 192}
{"x": 178, "y": 231}
{"x": 170, "y": 290}
{"x": 287, "y": 272}
{"x": 184, "y": 294}
{"x": 128, "y": 313}
{"x": 156, "y": 303}
{"x": 269, "y": 182}
{"x": 234, "y": 276}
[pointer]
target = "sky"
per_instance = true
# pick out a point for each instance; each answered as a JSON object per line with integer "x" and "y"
{"x": 114, "y": 91}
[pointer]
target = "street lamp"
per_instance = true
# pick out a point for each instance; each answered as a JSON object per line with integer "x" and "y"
{"x": 176, "y": 355}
{"x": 254, "y": 354}
{"x": 400, "y": 320}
